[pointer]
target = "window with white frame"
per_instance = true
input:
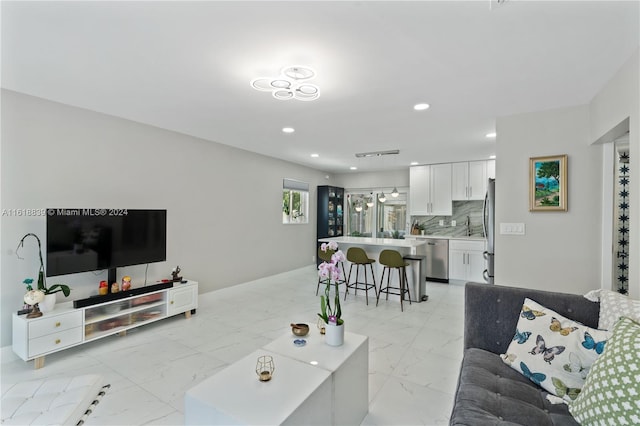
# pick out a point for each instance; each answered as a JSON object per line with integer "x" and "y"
{"x": 295, "y": 201}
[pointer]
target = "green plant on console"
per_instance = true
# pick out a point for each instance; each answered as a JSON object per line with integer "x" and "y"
{"x": 330, "y": 272}
{"x": 42, "y": 286}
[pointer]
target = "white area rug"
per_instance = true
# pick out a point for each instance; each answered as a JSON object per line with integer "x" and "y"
{"x": 54, "y": 401}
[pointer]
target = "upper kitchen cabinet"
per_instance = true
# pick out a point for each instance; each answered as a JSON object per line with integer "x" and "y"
{"x": 469, "y": 179}
{"x": 491, "y": 169}
{"x": 430, "y": 190}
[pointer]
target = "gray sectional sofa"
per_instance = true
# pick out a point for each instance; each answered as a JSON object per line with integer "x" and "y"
{"x": 489, "y": 392}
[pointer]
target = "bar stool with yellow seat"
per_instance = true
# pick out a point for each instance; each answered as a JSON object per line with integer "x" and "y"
{"x": 325, "y": 256}
{"x": 392, "y": 259}
{"x": 358, "y": 258}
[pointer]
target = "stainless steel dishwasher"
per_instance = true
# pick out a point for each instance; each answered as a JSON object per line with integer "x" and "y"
{"x": 437, "y": 260}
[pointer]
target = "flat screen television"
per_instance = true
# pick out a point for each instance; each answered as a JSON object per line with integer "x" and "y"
{"x": 82, "y": 240}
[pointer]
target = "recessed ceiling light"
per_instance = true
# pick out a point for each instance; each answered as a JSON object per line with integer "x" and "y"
{"x": 288, "y": 129}
{"x": 315, "y": 155}
{"x": 353, "y": 168}
{"x": 421, "y": 107}
{"x": 491, "y": 135}
{"x": 492, "y": 157}
{"x": 414, "y": 163}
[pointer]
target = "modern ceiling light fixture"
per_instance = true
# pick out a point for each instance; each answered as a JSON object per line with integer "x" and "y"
{"x": 382, "y": 198}
{"x": 421, "y": 107}
{"x": 292, "y": 83}
{"x": 491, "y": 135}
{"x": 395, "y": 192}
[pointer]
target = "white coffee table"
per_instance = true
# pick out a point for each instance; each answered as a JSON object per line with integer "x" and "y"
{"x": 298, "y": 393}
{"x": 348, "y": 365}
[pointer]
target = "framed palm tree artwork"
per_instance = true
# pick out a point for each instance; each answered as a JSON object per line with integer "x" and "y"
{"x": 548, "y": 183}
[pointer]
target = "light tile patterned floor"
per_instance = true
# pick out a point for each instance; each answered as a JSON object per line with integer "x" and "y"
{"x": 414, "y": 355}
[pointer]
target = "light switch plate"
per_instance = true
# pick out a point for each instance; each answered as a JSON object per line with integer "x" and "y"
{"x": 453, "y": 223}
{"x": 441, "y": 222}
{"x": 512, "y": 229}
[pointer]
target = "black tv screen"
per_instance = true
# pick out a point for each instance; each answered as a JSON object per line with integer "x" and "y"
{"x": 81, "y": 240}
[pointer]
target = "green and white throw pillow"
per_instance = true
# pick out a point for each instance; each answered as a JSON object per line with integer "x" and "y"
{"x": 614, "y": 306}
{"x": 552, "y": 351}
{"x": 611, "y": 394}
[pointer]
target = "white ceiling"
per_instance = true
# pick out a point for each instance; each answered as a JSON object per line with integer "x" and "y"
{"x": 186, "y": 66}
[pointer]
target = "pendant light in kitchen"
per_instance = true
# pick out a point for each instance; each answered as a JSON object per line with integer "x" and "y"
{"x": 370, "y": 200}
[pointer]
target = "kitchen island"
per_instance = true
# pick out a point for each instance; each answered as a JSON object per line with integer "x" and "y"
{"x": 411, "y": 246}
{"x": 414, "y": 251}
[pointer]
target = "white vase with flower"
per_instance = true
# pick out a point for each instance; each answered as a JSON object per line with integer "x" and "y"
{"x": 331, "y": 315}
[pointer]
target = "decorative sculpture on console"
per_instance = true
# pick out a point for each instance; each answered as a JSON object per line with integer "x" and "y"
{"x": 175, "y": 274}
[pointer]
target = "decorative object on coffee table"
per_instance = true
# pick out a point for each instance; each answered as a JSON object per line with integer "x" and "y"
{"x": 265, "y": 368}
{"x": 321, "y": 326}
{"x": 329, "y": 271}
{"x": 300, "y": 329}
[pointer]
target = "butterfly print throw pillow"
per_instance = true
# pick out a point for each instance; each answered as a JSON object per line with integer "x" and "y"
{"x": 553, "y": 351}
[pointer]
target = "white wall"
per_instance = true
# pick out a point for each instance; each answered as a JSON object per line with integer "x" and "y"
{"x": 620, "y": 99}
{"x": 561, "y": 251}
{"x": 223, "y": 204}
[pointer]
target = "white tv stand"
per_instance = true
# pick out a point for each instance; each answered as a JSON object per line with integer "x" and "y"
{"x": 67, "y": 326}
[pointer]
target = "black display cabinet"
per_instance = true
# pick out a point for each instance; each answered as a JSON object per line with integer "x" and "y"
{"x": 330, "y": 212}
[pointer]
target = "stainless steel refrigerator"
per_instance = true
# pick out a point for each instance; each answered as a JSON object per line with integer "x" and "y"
{"x": 489, "y": 227}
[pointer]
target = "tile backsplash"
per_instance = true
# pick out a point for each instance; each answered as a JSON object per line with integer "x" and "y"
{"x": 462, "y": 211}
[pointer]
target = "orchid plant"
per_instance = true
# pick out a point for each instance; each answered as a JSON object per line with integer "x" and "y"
{"x": 331, "y": 274}
{"x": 42, "y": 285}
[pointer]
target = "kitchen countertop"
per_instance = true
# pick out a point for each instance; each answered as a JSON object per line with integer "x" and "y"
{"x": 391, "y": 242}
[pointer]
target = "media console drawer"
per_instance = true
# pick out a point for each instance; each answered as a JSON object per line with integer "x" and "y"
{"x": 52, "y": 324}
{"x": 54, "y": 341}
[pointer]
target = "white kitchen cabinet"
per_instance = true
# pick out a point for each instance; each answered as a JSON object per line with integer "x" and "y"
{"x": 491, "y": 169}
{"x": 469, "y": 179}
{"x": 466, "y": 260}
{"x": 430, "y": 190}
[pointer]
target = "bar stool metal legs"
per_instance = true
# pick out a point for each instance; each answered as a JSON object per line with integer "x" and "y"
{"x": 392, "y": 259}
{"x": 358, "y": 258}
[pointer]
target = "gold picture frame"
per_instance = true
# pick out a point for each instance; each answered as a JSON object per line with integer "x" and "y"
{"x": 548, "y": 183}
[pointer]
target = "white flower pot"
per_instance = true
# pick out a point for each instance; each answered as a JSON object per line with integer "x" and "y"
{"x": 48, "y": 303}
{"x": 334, "y": 334}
